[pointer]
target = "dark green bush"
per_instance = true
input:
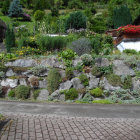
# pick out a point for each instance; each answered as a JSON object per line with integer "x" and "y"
{"x": 84, "y": 79}
{"x": 127, "y": 82}
{"x": 22, "y": 92}
{"x": 81, "y": 46}
{"x": 97, "y": 92}
{"x": 54, "y": 11}
{"x": 5, "y": 7}
{"x": 11, "y": 93}
{"x": 53, "y": 80}
{"x": 51, "y": 43}
{"x": 69, "y": 72}
{"x": 39, "y": 15}
{"x": 114, "y": 80}
{"x": 130, "y": 52}
{"x": 71, "y": 94}
{"x": 77, "y": 20}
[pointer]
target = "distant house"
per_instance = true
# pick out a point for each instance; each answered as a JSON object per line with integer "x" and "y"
{"x": 2, "y": 30}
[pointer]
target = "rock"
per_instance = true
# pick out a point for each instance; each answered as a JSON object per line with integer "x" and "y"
{"x": 93, "y": 82}
{"x": 76, "y": 82}
{"x": 9, "y": 82}
{"x": 77, "y": 61}
{"x": 62, "y": 73}
{"x": 43, "y": 95}
{"x": 28, "y": 73}
{"x": 66, "y": 85}
{"x": 10, "y": 73}
{"x": 102, "y": 62}
{"x": 53, "y": 62}
{"x": 77, "y": 73}
{"x": 138, "y": 66}
{"x": 57, "y": 95}
{"x": 22, "y": 81}
{"x": 105, "y": 84}
{"x": 43, "y": 84}
{"x": 136, "y": 83}
{"x": 22, "y": 63}
{"x": 120, "y": 68}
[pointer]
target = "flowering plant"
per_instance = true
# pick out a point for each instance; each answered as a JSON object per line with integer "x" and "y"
{"x": 129, "y": 29}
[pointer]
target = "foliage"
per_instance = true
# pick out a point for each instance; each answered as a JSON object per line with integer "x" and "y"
{"x": 15, "y": 9}
{"x": 48, "y": 43}
{"x": 36, "y": 93}
{"x": 130, "y": 52}
{"x": 81, "y": 46}
{"x": 96, "y": 71}
{"x": 97, "y": 92}
{"x": 10, "y": 39}
{"x": 37, "y": 70}
{"x": 69, "y": 72}
{"x": 77, "y": 4}
{"x": 2, "y": 74}
{"x": 68, "y": 54}
{"x": 76, "y": 20}
{"x": 11, "y": 93}
{"x": 105, "y": 101}
{"x": 53, "y": 80}
{"x": 122, "y": 16}
{"x": 22, "y": 92}
{"x": 54, "y": 11}
{"x": 87, "y": 59}
{"x": 39, "y": 15}
{"x": 71, "y": 94}
{"x": 2, "y": 29}
{"x": 106, "y": 69}
{"x": 126, "y": 82}
{"x": 114, "y": 80}
{"x": 84, "y": 79}
{"x": 79, "y": 67}
{"x": 5, "y": 7}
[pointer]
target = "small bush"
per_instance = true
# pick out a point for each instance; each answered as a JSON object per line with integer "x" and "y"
{"x": 11, "y": 93}
{"x": 96, "y": 71}
{"x": 114, "y": 80}
{"x": 97, "y": 92}
{"x": 36, "y": 93}
{"x": 87, "y": 59}
{"x": 37, "y": 70}
{"x": 77, "y": 20}
{"x": 126, "y": 82}
{"x": 68, "y": 54}
{"x": 84, "y": 79}
{"x": 39, "y": 15}
{"x": 69, "y": 73}
{"x": 53, "y": 80}
{"x": 81, "y": 46}
{"x": 105, "y": 101}
{"x": 54, "y": 11}
{"x": 22, "y": 92}
{"x": 71, "y": 94}
{"x": 130, "y": 52}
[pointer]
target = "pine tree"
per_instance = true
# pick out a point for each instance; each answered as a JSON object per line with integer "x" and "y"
{"x": 15, "y": 9}
{"x": 122, "y": 16}
{"x": 10, "y": 39}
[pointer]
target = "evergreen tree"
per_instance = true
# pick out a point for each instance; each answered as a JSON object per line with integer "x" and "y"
{"x": 122, "y": 16}
{"x": 15, "y": 9}
{"x": 10, "y": 39}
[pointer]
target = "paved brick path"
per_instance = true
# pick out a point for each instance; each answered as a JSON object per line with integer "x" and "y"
{"x": 49, "y": 127}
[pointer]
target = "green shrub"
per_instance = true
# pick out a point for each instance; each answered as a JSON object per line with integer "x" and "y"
{"x": 5, "y": 7}
{"x": 96, "y": 71}
{"x": 87, "y": 59}
{"x": 51, "y": 43}
{"x": 105, "y": 101}
{"x": 79, "y": 67}
{"x": 84, "y": 79}
{"x": 22, "y": 92}
{"x": 68, "y": 54}
{"x": 54, "y": 11}
{"x": 114, "y": 80}
{"x": 36, "y": 93}
{"x": 53, "y": 80}
{"x": 126, "y": 82}
{"x": 106, "y": 69}
{"x": 11, "y": 93}
{"x": 130, "y": 52}
{"x": 77, "y": 4}
{"x": 69, "y": 72}
{"x": 77, "y": 20}
{"x": 39, "y": 15}
{"x": 81, "y": 46}
{"x": 71, "y": 94}
{"x": 97, "y": 92}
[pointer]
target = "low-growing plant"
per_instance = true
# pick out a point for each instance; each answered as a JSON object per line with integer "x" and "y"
{"x": 87, "y": 59}
{"x": 22, "y": 92}
{"x": 79, "y": 67}
{"x": 71, "y": 94}
{"x": 11, "y": 93}
{"x": 130, "y": 52}
{"x": 96, "y": 71}
{"x": 39, "y": 15}
{"x": 68, "y": 54}
{"x": 37, "y": 70}
{"x": 69, "y": 72}
{"x": 97, "y": 92}
{"x": 53, "y": 80}
{"x": 105, "y": 101}
{"x": 2, "y": 74}
{"x": 126, "y": 82}
{"x": 36, "y": 93}
{"x": 81, "y": 46}
{"x": 106, "y": 69}
{"x": 84, "y": 79}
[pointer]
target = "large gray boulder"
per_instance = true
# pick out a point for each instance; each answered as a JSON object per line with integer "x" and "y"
{"x": 120, "y": 68}
{"x": 102, "y": 62}
{"x": 77, "y": 61}
{"x": 57, "y": 96}
{"x": 9, "y": 82}
{"x": 43, "y": 83}
{"x": 93, "y": 82}
{"x": 22, "y": 63}
{"x": 76, "y": 82}
{"x": 65, "y": 85}
{"x": 43, "y": 95}
{"x": 10, "y": 73}
{"x": 22, "y": 81}
{"x": 105, "y": 84}
{"x": 136, "y": 83}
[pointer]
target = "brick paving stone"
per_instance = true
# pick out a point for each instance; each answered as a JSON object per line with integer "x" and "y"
{"x": 47, "y": 127}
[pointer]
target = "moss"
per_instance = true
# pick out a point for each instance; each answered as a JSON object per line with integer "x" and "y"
{"x": 114, "y": 80}
{"x": 84, "y": 79}
{"x": 105, "y": 101}
{"x": 71, "y": 94}
{"x": 13, "y": 77}
{"x": 97, "y": 92}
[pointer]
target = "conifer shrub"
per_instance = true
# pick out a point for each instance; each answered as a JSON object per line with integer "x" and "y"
{"x": 71, "y": 94}
{"x": 53, "y": 79}
{"x": 22, "y": 92}
{"x": 76, "y": 20}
